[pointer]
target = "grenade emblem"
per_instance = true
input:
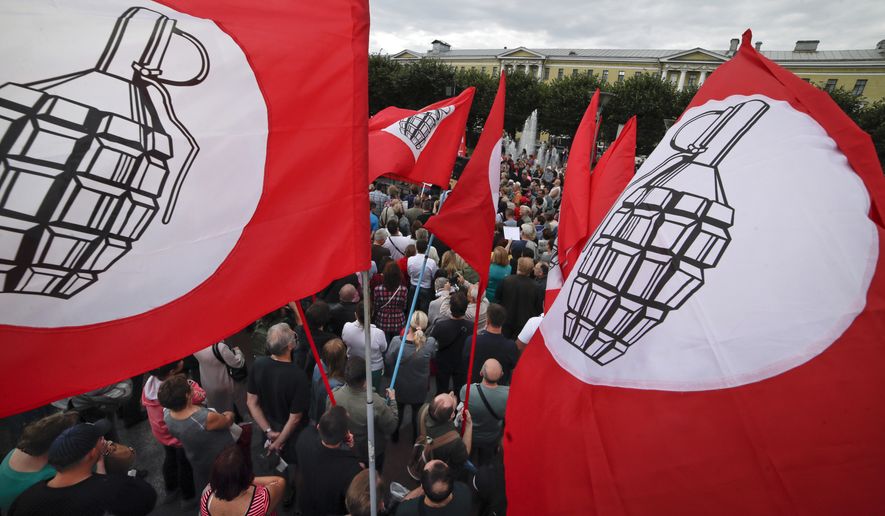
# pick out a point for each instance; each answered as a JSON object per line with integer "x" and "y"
{"x": 84, "y": 159}
{"x": 651, "y": 253}
{"x": 418, "y": 128}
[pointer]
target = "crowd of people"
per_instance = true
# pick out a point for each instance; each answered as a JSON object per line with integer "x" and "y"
{"x": 224, "y": 413}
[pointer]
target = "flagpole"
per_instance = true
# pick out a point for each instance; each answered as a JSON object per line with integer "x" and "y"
{"x": 480, "y": 293}
{"x": 370, "y": 408}
{"x": 402, "y": 346}
{"x": 313, "y": 349}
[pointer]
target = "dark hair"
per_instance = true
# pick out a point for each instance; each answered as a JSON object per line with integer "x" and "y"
{"x": 427, "y": 204}
{"x": 458, "y": 304}
{"x": 163, "y": 371}
{"x": 318, "y": 314}
{"x": 411, "y": 250}
{"x": 496, "y": 315}
{"x": 173, "y": 392}
{"x": 416, "y": 226}
{"x": 38, "y": 435}
{"x": 333, "y": 426}
{"x": 355, "y": 372}
{"x": 393, "y": 226}
{"x": 231, "y": 473}
{"x": 421, "y": 246}
{"x": 360, "y": 315}
{"x": 393, "y": 276}
{"x": 437, "y": 481}
{"x": 357, "y": 499}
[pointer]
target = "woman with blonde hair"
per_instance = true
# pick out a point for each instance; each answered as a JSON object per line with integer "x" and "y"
{"x": 498, "y": 270}
{"x": 413, "y": 376}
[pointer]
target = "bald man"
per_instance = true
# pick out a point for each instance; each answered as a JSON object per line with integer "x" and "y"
{"x": 344, "y": 311}
{"x": 438, "y": 420}
{"x": 488, "y": 403}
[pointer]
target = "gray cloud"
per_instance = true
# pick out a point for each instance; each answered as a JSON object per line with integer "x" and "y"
{"x": 841, "y": 24}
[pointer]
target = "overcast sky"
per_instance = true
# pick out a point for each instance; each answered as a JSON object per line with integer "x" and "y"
{"x": 413, "y": 24}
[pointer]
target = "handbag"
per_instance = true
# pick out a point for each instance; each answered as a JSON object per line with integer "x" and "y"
{"x": 238, "y": 374}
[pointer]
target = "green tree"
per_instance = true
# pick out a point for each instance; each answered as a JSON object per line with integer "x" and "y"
{"x": 564, "y": 102}
{"x": 872, "y": 120}
{"x": 523, "y": 97}
{"x": 651, "y": 100}
{"x": 383, "y": 73}
{"x": 850, "y": 103}
{"x": 486, "y": 88}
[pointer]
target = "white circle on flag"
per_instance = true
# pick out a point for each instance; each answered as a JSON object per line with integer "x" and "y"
{"x": 56, "y": 48}
{"x": 793, "y": 273}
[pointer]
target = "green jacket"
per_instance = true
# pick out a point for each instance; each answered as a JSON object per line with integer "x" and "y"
{"x": 386, "y": 418}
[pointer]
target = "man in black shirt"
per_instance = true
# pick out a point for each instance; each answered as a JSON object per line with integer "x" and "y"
{"x": 492, "y": 344}
{"x": 75, "y": 489}
{"x": 344, "y": 311}
{"x": 520, "y": 296}
{"x": 450, "y": 335}
{"x": 328, "y": 464}
{"x": 439, "y": 494}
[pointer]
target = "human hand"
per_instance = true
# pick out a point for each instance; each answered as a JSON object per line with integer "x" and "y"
{"x": 276, "y": 446}
{"x": 391, "y": 394}
{"x": 468, "y": 421}
{"x": 272, "y": 435}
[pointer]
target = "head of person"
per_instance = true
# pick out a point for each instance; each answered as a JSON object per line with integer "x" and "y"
{"x": 334, "y": 355}
{"x": 79, "y": 445}
{"x": 427, "y": 205}
{"x": 165, "y": 371}
{"x": 421, "y": 234}
{"x": 441, "y": 284}
{"x": 421, "y": 246}
{"x": 281, "y": 339}
{"x": 417, "y": 327}
{"x": 231, "y": 473}
{"x": 525, "y": 212}
{"x": 38, "y": 436}
{"x": 416, "y": 226}
{"x": 355, "y": 373}
{"x": 318, "y": 314}
{"x": 527, "y": 231}
{"x": 458, "y": 304}
{"x": 541, "y": 270}
{"x": 437, "y": 480}
{"x": 333, "y": 426}
{"x": 393, "y": 276}
{"x": 491, "y": 371}
{"x": 393, "y": 192}
{"x": 357, "y": 498}
{"x": 524, "y": 266}
{"x": 442, "y": 408}
{"x": 174, "y": 393}
{"x": 500, "y": 256}
{"x": 381, "y": 236}
{"x": 348, "y": 293}
{"x": 393, "y": 226}
{"x": 509, "y": 214}
{"x": 410, "y": 251}
{"x": 495, "y": 316}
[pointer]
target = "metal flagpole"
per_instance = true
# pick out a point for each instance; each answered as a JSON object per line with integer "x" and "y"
{"x": 370, "y": 409}
{"x": 402, "y": 345}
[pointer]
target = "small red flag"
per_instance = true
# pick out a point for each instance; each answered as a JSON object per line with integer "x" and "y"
{"x": 462, "y": 150}
{"x": 717, "y": 348}
{"x": 418, "y": 146}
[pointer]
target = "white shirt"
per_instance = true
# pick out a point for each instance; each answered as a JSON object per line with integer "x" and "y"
{"x": 414, "y": 268}
{"x": 531, "y": 326}
{"x": 353, "y": 336}
{"x": 397, "y": 244}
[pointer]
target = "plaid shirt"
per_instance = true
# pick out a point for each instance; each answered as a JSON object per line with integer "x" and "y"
{"x": 390, "y": 308}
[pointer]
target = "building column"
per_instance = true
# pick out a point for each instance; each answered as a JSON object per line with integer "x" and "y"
{"x": 664, "y": 74}
{"x": 681, "y": 82}
{"x": 541, "y": 71}
{"x": 703, "y": 77}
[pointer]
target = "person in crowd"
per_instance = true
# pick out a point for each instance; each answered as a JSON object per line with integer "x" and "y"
{"x": 439, "y": 494}
{"x": 374, "y": 222}
{"x": 422, "y": 234}
{"x": 81, "y": 485}
{"x": 202, "y": 432}
{"x": 403, "y": 263}
{"x": 178, "y": 475}
{"x": 489, "y": 484}
{"x": 344, "y": 311}
{"x": 332, "y": 293}
{"x": 488, "y": 402}
{"x": 358, "y": 500}
{"x": 222, "y": 391}
{"x": 389, "y": 301}
{"x": 377, "y": 197}
{"x": 521, "y": 296}
{"x": 442, "y": 288}
{"x": 393, "y": 210}
{"x": 451, "y": 333}
{"x": 354, "y": 337}
{"x": 498, "y": 270}
{"x": 318, "y": 316}
{"x": 415, "y": 209}
{"x": 490, "y": 343}
{"x": 328, "y": 464}
{"x": 426, "y": 211}
{"x": 28, "y": 462}
{"x": 278, "y": 395}
{"x": 415, "y": 265}
{"x": 539, "y": 274}
{"x": 397, "y": 243}
{"x": 352, "y": 397}
{"x": 452, "y": 266}
{"x": 333, "y": 357}
{"x": 510, "y": 216}
{"x": 234, "y": 489}
{"x": 528, "y": 331}
{"x": 438, "y": 418}
{"x": 380, "y": 254}
{"x": 414, "y": 370}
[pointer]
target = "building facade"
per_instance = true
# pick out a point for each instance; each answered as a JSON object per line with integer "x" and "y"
{"x": 859, "y": 71}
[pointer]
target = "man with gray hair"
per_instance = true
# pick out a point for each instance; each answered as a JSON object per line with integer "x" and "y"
{"x": 380, "y": 254}
{"x": 442, "y": 288}
{"x": 278, "y": 395}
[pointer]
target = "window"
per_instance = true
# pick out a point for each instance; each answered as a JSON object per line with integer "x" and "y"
{"x": 621, "y": 76}
{"x": 637, "y": 74}
{"x": 546, "y": 72}
{"x": 831, "y": 84}
{"x": 605, "y": 76}
{"x": 559, "y": 73}
{"x": 472, "y": 68}
{"x": 494, "y": 70}
{"x": 859, "y": 86}
{"x": 483, "y": 70}
{"x": 574, "y": 72}
{"x": 589, "y": 73}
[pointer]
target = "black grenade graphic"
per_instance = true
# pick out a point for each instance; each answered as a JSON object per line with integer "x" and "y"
{"x": 84, "y": 159}
{"x": 418, "y": 128}
{"x": 651, "y": 253}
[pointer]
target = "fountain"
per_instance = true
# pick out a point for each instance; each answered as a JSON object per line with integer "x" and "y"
{"x": 529, "y": 134}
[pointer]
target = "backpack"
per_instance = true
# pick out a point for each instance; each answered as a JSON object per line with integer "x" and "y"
{"x": 237, "y": 374}
{"x": 422, "y": 451}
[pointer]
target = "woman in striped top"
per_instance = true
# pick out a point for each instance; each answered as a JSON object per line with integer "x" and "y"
{"x": 234, "y": 490}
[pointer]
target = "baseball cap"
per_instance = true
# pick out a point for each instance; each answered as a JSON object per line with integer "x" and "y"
{"x": 74, "y": 443}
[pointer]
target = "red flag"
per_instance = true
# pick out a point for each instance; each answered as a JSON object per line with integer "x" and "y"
{"x": 717, "y": 349}
{"x": 462, "y": 150}
{"x": 418, "y": 146}
{"x": 154, "y": 195}
{"x": 466, "y": 221}
{"x": 605, "y": 184}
